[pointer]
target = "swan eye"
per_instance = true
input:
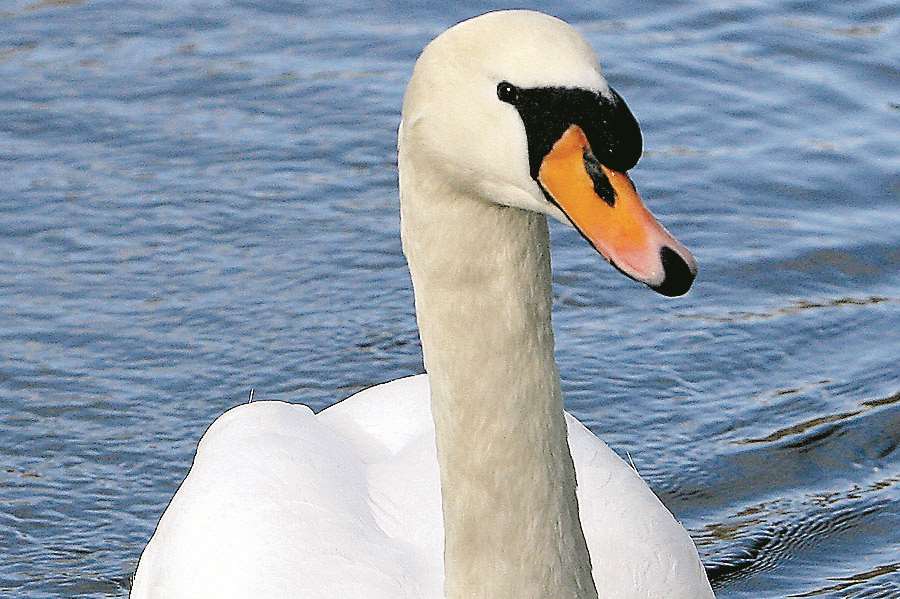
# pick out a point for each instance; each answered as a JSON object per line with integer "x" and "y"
{"x": 507, "y": 92}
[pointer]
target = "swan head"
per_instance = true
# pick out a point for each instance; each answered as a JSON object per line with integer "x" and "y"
{"x": 512, "y": 107}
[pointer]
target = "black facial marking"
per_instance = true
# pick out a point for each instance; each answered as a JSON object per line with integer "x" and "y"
{"x": 611, "y": 129}
{"x": 602, "y": 186}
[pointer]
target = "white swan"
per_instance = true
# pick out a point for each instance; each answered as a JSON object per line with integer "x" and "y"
{"x": 506, "y": 119}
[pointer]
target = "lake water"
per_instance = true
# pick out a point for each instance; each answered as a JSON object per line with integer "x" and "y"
{"x": 199, "y": 197}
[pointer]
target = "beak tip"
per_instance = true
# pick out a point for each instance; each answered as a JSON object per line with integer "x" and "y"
{"x": 678, "y": 273}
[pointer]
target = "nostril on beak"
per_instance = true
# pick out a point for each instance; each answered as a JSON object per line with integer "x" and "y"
{"x": 678, "y": 275}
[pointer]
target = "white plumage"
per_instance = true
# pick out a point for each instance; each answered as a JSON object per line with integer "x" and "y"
{"x": 356, "y": 502}
{"x": 346, "y": 504}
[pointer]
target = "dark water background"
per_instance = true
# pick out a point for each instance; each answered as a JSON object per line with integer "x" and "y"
{"x": 199, "y": 197}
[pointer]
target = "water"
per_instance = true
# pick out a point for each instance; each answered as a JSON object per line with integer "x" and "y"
{"x": 199, "y": 198}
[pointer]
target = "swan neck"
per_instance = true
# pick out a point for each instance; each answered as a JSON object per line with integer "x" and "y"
{"x": 481, "y": 275}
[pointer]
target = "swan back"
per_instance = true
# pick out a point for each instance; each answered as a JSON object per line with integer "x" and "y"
{"x": 278, "y": 503}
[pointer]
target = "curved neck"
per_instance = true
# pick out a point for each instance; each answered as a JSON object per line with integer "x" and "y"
{"x": 481, "y": 275}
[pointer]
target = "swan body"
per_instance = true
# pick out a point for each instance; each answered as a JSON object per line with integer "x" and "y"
{"x": 470, "y": 482}
{"x": 283, "y": 503}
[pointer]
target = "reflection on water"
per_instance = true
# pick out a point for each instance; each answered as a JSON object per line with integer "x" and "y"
{"x": 794, "y": 308}
{"x": 199, "y": 198}
{"x": 766, "y": 536}
{"x": 814, "y": 424}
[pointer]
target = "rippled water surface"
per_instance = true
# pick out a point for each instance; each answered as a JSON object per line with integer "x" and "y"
{"x": 199, "y": 198}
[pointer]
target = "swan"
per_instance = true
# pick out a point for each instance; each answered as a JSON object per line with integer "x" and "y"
{"x": 469, "y": 481}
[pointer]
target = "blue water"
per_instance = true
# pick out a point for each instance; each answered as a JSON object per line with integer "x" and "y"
{"x": 199, "y": 197}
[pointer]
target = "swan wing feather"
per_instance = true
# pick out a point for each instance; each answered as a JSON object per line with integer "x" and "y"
{"x": 283, "y": 503}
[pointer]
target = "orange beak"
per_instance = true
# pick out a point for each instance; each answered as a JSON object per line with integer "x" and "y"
{"x": 606, "y": 208}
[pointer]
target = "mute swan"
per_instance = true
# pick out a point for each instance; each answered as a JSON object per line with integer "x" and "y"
{"x": 507, "y": 119}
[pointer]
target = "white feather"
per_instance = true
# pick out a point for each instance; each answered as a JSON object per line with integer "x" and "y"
{"x": 281, "y": 503}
